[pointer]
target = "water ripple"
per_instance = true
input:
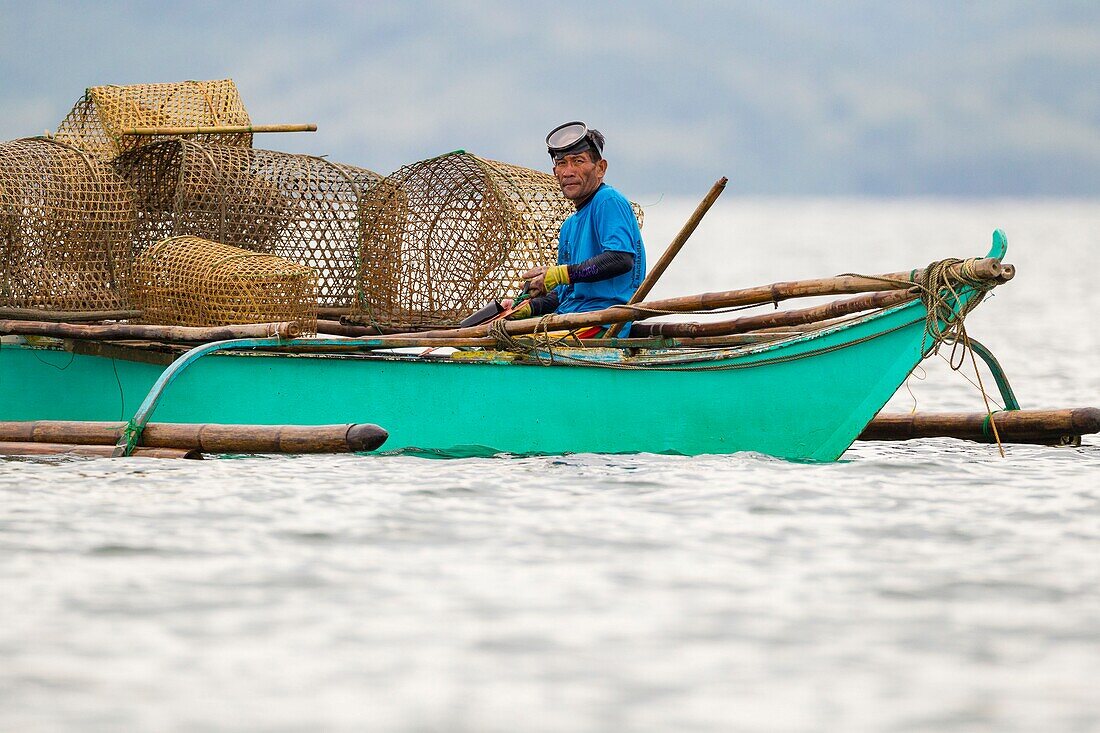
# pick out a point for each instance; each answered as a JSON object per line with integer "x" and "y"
{"x": 929, "y": 585}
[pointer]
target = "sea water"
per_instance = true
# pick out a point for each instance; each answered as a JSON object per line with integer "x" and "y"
{"x": 927, "y": 585}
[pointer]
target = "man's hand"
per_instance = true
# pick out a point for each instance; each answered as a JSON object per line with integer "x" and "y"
{"x": 541, "y": 280}
{"x": 535, "y": 277}
{"x": 523, "y": 311}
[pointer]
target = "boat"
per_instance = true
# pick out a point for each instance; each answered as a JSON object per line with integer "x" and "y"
{"x": 801, "y": 394}
{"x": 202, "y": 260}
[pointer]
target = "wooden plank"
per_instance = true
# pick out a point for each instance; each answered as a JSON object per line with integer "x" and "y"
{"x": 145, "y": 354}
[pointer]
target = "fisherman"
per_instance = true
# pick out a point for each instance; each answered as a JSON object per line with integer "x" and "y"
{"x": 601, "y": 259}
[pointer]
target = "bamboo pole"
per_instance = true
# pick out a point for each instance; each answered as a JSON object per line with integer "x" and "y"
{"x": 334, "y": 312}
{"x": 985, "y": 269}
{"x": 413, "y": 342}
{"x": 1044, "y": 427}
{"x": 365, "y": 321}
{"x": 219, "y": 129}
{"x": 739, "y": 339}
{"x": 793, "y": 329}
{"x": 674, "y": 248}
{"x": 33, "y": 314}
{"x": 370, "y": 343}
{"x": 285, "y": 330}
{"x": 205, "y": 437}
{"x": 778, "y": 319}
{"x": 15, "y": 448}
{"x": 337, "y": 328}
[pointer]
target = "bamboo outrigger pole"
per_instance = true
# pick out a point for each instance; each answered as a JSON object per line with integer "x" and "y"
{"x": 219, "y": 129}
{"x": 1043, "y": 427}
{"x": 674, "y": 248}
{"x": 37, "y": 448}
{"x": 282, "y": 329}
{"x": 204, "y": 437}
{"x": 989, "y": 269}
{"x": 34, "y": 314}
{"x": 801, "y": 317}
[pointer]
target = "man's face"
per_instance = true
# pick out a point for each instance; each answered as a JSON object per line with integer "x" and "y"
{"x": 578, "y": 175}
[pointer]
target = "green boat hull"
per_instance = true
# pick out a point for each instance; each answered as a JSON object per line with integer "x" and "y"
{"x": 806, "y": 398}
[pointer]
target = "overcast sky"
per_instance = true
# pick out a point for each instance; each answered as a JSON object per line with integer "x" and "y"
{"x": 880, "y": 98}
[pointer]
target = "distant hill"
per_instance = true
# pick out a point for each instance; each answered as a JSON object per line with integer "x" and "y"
{"x": 928, "y": 98}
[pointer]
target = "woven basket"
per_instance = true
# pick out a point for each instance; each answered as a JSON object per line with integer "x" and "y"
{"x": 443, "y": 236}
{"x": 97, "y": 120}
{"x": 66, "y": 223}
{"x": 190, "y": 281}
{"x": 299, "y": 207}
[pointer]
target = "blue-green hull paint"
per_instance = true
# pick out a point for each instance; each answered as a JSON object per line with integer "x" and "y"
{"x": 808, "y": 408}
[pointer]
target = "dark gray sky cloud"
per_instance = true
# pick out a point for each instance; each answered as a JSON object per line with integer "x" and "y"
{"x": 943, "y": 98}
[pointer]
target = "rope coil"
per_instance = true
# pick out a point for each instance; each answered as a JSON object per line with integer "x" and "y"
{"x": 540, "y": 341}
{"x": 941, "y": 276}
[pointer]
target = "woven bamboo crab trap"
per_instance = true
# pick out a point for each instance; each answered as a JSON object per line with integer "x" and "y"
{"x": 97, "y": 121}
{"x": 190, "y": 281}
{"x": 443, "y": 236}
{"x": 300, "y": 207}
{"x": 66, "y": 223}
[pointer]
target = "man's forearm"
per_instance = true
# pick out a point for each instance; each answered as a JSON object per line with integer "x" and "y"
{"x": 603, "y": 266}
